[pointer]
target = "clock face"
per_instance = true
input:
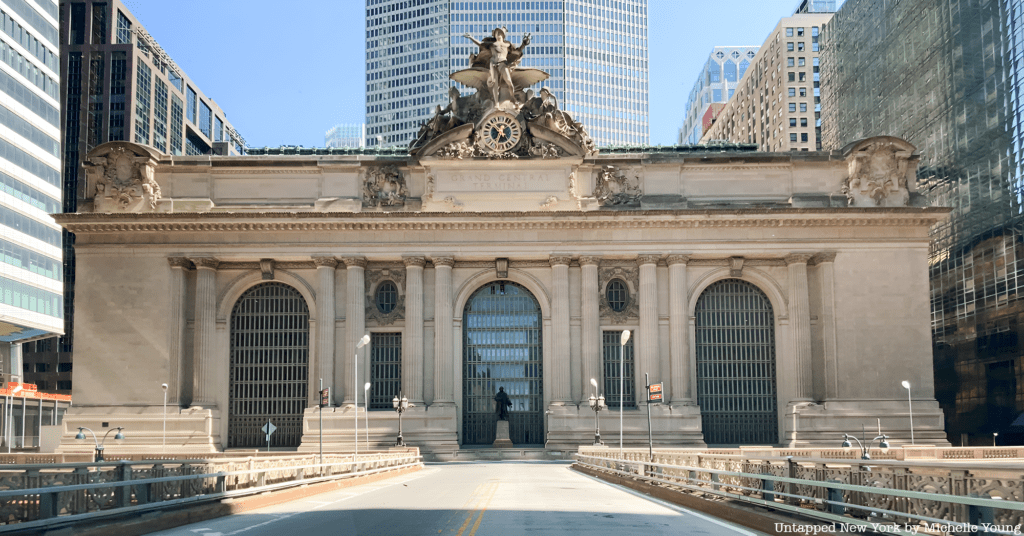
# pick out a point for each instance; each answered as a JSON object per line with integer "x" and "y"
{"x": 500, "y": 133}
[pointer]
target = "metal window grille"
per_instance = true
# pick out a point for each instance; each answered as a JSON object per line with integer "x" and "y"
{"x": 502, "y": 348}
{"x": 269, "y": 366}
{"x": 612, "y": 343}
{"x": 735, "y": 343}
{"x": 617, "y": 295}
{"x": 385, "y": 369}
{"x": 387, "y": 297}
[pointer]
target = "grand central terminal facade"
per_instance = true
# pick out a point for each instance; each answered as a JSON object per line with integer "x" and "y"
{"x": 779, "y": 298}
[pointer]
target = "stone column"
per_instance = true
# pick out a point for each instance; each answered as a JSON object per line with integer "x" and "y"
{"x": 176, "y": 328}
{"x": 561, "y": 379}
{"x": 590, "y": 345}
{"x": 647, "y": 340}
{"x": 204, "y": 336}
{"x": 355, "y": 326}
{"x": 829, "y": 387}
{"x": 800, "y": 325}
{"x": 444, "y": 357}
{"x": 679, "y": 388}
{"x": 412, "y": 344}
{"x": 325, "y": 266}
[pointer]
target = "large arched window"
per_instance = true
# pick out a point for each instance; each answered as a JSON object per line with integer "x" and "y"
{"x": 269, "y": 373}
{"x": 735, "y": 344}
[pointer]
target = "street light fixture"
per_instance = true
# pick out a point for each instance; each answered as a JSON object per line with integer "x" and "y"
{"x": 597, "y": 404}
{"x": 910, "y": 406}
{"x": 98, "y": 456}
{"x": 865, "y": 449}
{"x": 366, "y": 401}
{"x": 164, "y": 444}
{"x": 355, "y": 388}
{"x": 622, "y": 380}
{"x": 400, "y": 405}
{"x": 994, "y": 436}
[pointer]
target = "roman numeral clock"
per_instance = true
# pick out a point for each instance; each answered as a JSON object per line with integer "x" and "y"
{"x": 500, "y": 133}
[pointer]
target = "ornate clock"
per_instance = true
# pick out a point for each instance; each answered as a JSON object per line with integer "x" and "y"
{"x": 500, "y": 133}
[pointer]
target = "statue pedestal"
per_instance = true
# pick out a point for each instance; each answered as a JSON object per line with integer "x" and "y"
{"x": 501, "y": 440}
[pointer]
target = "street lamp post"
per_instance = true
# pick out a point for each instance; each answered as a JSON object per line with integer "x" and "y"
{"x": 400, "y": 405}
{"x": 597, "y": 404}
{"x": 366, "y": 401}
{"x": 865, "y": 449}
{"x": 994, "y": 436}
{"x": 355, "y": 388}
{"x": 622, "y": 380}
{"x": 164, "y": 443}
{"x": 910, "y": 406}
{"x": 98, "y": 457}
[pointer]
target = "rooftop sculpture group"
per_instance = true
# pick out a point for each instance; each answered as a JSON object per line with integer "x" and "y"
{"x": 503, "y": 119}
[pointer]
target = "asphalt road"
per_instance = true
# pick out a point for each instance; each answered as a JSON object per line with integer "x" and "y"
{"x": 472, "y": 499}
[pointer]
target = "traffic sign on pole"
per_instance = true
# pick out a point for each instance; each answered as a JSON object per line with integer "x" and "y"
{"x": 654, "y": 394}
{"x": 269, "y": 430}
{"x": 325, "y": 397}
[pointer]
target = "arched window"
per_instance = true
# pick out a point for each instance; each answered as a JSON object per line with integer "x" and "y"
{"x": 387, "y": 297}
{"x": 617, "y": 295}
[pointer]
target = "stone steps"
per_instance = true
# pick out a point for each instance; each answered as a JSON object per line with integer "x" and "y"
{"x": 494, "y": 454}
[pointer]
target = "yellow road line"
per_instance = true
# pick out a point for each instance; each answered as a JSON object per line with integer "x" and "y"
{"x": 483, "y": 501}
{"x": 481, "y": 516}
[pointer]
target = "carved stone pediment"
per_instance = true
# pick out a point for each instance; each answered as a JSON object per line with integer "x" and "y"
{"x": 882, "y": 172}
{"x": 617, "y": 187}
{"x": 631, "y": 276}
{"x": 374, "y": 278}
{"x": 120, "y": 178}
{"x": 384, "y": 186}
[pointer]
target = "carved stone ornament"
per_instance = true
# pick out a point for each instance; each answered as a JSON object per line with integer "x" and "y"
{"x": 267, "y": 269}
{"x": 631, "y": 276}
{"x": 121, "y": 178}
{"x": 384, "y": 187}
{"x": 882, "y": 172}
{"x": 441, "y": 260}
{"x": 457, "y": 150}
{"x": 373, "y": 279}
{"x": 615, "y": 187}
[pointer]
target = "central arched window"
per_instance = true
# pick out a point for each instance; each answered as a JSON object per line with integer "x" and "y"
{"x": 387, "y": 297}
{"x": 617, "y": 295}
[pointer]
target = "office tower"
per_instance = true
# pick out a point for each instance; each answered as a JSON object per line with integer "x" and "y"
{"x": 346, "y": 135}
{"x": 776, "y": 105}
{"x": 595, "y": 52}
{"x": 714, "y": 87}
{"x": 118, "y": 84}
{"x": 31, "y": 275}
{"x": 946, "y": 80}
{"x": 816, "y": 6}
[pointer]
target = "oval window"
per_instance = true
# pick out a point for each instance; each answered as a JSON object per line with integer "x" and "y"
{"x": 617, "y": 294}
{"x": 387, "y": 297}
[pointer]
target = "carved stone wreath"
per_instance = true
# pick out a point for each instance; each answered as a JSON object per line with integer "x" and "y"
{"x": 374, "y": 278}
{"x": 631, "y": 276}
{"x": 384, "y": 187}
{"x": 615, "y": 187}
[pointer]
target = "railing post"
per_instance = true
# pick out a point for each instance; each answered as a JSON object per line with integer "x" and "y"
{"x": 791, "y": 472}
{"x": 49, "y": 505}
{"x": 123, "y": 494}
{"x": 835, "y": 495}
{"x": 714, "y": 478}
{"x": 959, "y": 484}
{"x": 981, "y": 516}
{"x": 767, "y": 486}
{"x": 143, "y": 492}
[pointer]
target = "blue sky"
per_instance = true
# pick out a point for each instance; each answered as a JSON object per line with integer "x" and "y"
{"x": 285, "y": 72}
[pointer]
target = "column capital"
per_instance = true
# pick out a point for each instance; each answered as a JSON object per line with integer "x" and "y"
{"x": 678, "y": 258}
{"x": 414, "y": 260}
{"x": 325, "y": 261}
{"x": 205, "y": 262}
{"x": 824, "y": 256}
{"x": 443, "y": 260}
{"x": 798, "y": 258}
{"x": 556, "y": 260}
{"x": 354, "y": 261}
{"x": 587, "y": 260}
{"x": 648, "y": 258}
{"x": 179, "y": 262}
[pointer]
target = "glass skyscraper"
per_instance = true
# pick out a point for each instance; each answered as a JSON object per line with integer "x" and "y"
{"x": 346, "y": 135}
{"x": 31, "y": 272}
{"x": 594, "y": 50}
{"x": 715, "y": 85}
{"x": 948, "y": 78}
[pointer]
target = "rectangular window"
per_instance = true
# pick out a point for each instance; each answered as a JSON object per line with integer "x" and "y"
{"x": 385, "y": 369}
{"x": 118, "y": 75}
{"x": 205, "y": 120}
{"x": 177, "y": 124}
{"x": 789, "y": 47}
{"x": 803, "y": 136}
{"x": 792, "y": 136}
{"x": 790, "y": 63}
{"x": 789, "y": 32}
{"x": 99, "y": 24}
{"x": 792, "y": 121}
{"x": 802, "y": 62}
{"x": 614, "y": 360}
{"x": 803, "y": 92}
{"x": 803, "y": 76}
{"x": 800, "y": 47}
{"x": 803, "y": 106}
{"x": 191, "y": 110}
{"x": 803, "y": 122}
{"x": 792, "y": 92}
{"x": 792, "y": 77}
{"x": 160, "y": 115}
{"x": 42, "y": 367}
{"x": 63, "y": 367}
{"x": 124, "y": 29}
{"x": 142, "y": 98}
{"x": 64, "y": 385}
{"x": 792, "y": 106}
{"x": 218, "y": 129}
{"x": 799, "y": 32}
{"x": 77, "y": 32}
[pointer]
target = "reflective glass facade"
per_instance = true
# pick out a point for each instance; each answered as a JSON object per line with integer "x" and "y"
{"x": 946, "y": 76}
{"x": 346, "y": 135}
{"x": 716, "y": 83}
{"x": 595, "y": 53}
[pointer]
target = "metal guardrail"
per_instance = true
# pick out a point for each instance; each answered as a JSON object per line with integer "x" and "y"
{"x": 838, "y": 491}
{"x": 33, "y": 496}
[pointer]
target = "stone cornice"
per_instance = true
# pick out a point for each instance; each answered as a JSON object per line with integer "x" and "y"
{"x": 206, "y": 262}
{"x": 255, "y": 265}
{"x": 826, "y": 256}
{"x": 798, "y": 258}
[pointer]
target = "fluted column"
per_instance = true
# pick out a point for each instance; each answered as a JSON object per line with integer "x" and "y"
{"x": 647, "y": 340}
{"x": 205, "y": 331}
{"x": 560, "y": 375}
{"x": 355, "y": 326}
{"x": 176, "y": 327}
{"x": 800, "y": 325}
{"x": 444, "y": 359}
{"x": 412, "y": 345}
{"x": 590, "y": 345}
{"x": 829, "y": 383}
{"x": 325, "y": 266}
{"x": 678, "y": 389}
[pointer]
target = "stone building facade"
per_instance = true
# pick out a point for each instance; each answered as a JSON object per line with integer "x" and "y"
{"x": 779, "y": 297}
